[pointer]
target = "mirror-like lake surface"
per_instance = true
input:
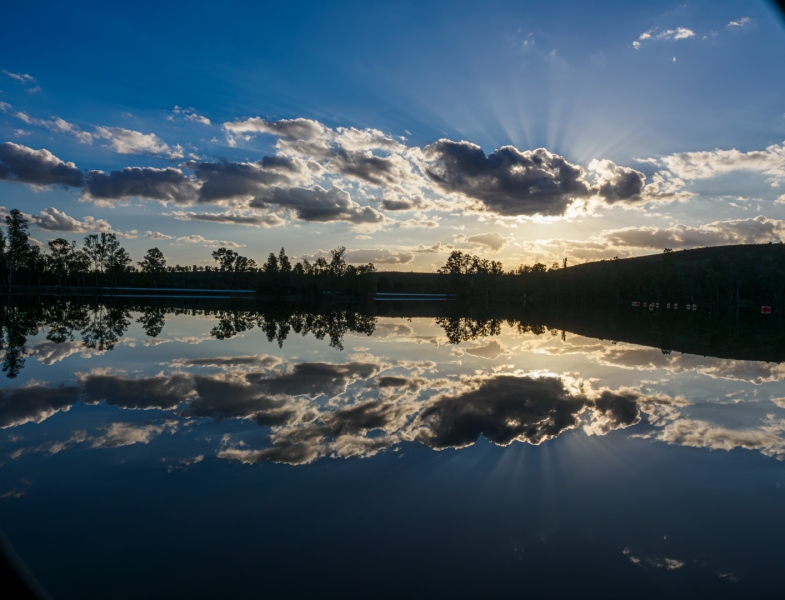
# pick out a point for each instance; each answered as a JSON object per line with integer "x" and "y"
{"x": 191, "y": 451}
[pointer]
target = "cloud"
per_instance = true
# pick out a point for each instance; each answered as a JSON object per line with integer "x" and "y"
{"x": 144, "y": 393}
{"x": 166, "y": 185}
{"x": 20, "y": 77}
{"x": 5, "y": 107}
{"x": 127, "y": 141}
{"x": 320, "y": 205}
{"x": 157, "y": 235}
{"x": 226, "y": 180}
{"x": 314, "y": 378}
{"x": 737, "y": 23}
{"x": 509, "y": 182}
{"x": 198, "y": 239}
{"x": 49, "y": 353}
{"x": 756, "y": 230}
{"x": 51, "y": 219}
{"x": 221, "y": 399}
{"x": 703, "y": 164}
{"x": 406, "y": 203}
{"x": 230, "y": 218}
{"x": 126, "y": 434}
{"x": 618, "y": 184}
{"x": 58, "y": 125}
{"x": 289, "y": 129}
{"x": 189, "y": 114}
{"x": 265, "y": 361}
{"x": 36, "y": 167}
{"x": 700, "y": 434}
{"x": 435, "y": 249}
{"x": 680, "y": 33}
{"x": 495, "y": 241}
{"x": 34, "y": 403}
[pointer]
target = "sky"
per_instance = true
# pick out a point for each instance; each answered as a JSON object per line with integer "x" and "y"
{"x": 520, "y": 132}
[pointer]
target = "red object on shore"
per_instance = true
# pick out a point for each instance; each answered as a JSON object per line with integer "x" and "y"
{"x": 766, "y": 310}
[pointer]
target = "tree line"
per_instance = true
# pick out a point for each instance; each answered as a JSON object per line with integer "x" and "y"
{"x": 101, "y": 261}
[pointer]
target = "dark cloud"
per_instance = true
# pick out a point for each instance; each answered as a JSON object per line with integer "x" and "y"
{"x": 169, "y": 185}
{"x": 36, "y": 167}
{"x": 259, "y": 360}
{"x": 34, "y": 403}
{"x": 394, "y": 204}
{"x": 288, "y": 129}
{"x": 320, "y": 205}
{"x": 616, "y": 410}
{"x": 502, "y": 409}
{"x": 507, "y": 181}
{"x": 314, "y": 379}
{"x": 252, "y": 220}
{"x": 375, "y": 170}
{"x": 143, "y": 393}
{"x": 510, "y": 182}
{"x": 224, "y": 180}
{"x": 619, "y": 184}
{"x": 221, "y": 399}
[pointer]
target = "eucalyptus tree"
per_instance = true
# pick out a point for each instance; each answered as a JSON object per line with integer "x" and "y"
{"x": 61, "y": 258}
{"x": 18, "y": 250}
{"x": 154, "y": 263}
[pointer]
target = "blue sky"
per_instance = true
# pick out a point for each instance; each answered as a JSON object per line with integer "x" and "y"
{"x": 661, "y": 124}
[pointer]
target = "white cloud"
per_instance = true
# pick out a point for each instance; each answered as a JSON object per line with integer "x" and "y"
{"x": 157, "y": 235}
{"x": 51, "y": 219}
{"x": 20, "y": 77}
{"x": 704, "y": 164}
{"x": 57, "y": 125}
{"x": 495, "y": 241}
{"x": 126, "y": 141}
{"x": 198, "y": 239}
{"x": 739, "y": 22}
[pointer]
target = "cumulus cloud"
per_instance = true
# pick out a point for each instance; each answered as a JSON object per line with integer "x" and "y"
{"x": 618, "y": 184}
{"x": 37, "y": 167}
{"x": 157, "y": 235}
{"x": 126, "y": 434}
{"x": 51, "y": 219}
{"x": 738, "y": 23}
{"x": 495, "y": 241}
{"x": 403, "y": 203}
{"x": 756, "y": 230}
{"x": 198, "y": 239}
{"x": 507, "y": 181}
{"x": 5, "y": 107}
{"x": 57, "y": 125}
{"x": 166, "y": 185}
{"x": 510, "y": 182}
{"x": 703, "y": 164}
{"x": 501, "y": 409}
{"x": 233, "y": 218}
{"x": 320, "y": 205}
{"x": 144, "y": 393}
{"x": 34, "y": 403}
{"x": 680, "y": 33}
{"x": 265, "y": 361}
{"x": 314, "y": 378}
{"x": 226, "y": 180}
{"x": 127, "y": 141}
{"x": 767, "y": 439}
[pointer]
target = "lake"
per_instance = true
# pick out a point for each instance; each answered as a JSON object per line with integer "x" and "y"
{"x": 199, "y": 450}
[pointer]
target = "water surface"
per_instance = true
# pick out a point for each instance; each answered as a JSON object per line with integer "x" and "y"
{"x": 202, "y": 451}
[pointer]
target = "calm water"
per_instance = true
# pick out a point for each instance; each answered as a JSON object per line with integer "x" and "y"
{"x": 285, "y": 453}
